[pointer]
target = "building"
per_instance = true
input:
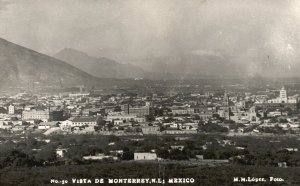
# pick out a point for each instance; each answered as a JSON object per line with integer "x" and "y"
{"x": 47, "y": 125}
{"x": 245, "y": 116}
{"x": 145, "y": 156}
{"x": 200, "y": 157}
{"x": 118, "y": 122}
{"x": 138, "y": 111}
{"x": 64, "y": 125}
{"x": 99, "y": 157}
{"x": 36, "y": 115}
{"x": 283, "y": 98}
{"x": 179, "y": 132}
{"x": 124, "y": 117}
{"x": 282, "y": 164}
{"x": 86, "y": 121}
{"x": 179, "y": 111}
{"x": 140, "y": 119}
{"x": 264, "y": 106}
{"x": 182, "y": 110}
{"x": 79, "y": 95}
{"x": 60, "y": 152}
{"x": 11, "y": 109}
{"x": 44, "y": 115}
{"x": 177, "y": 147}
{"x": 224, "y": 113}
{"x": 205, "y": 115}
{"x": 56, "y": 115}
{"x": 151, "y": 130}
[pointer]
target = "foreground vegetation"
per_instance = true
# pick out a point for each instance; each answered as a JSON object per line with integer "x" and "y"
{"x": 30, "y": 160}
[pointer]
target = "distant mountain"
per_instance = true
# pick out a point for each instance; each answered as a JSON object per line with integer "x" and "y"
{"x": 21, "y": 66}
{"x": 100, "y": 67}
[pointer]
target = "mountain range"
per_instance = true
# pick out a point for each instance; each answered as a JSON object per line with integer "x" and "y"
{"x": 100, "y": 67}
{"x": 187, "y": 67}
{"x": 21, "y": 66}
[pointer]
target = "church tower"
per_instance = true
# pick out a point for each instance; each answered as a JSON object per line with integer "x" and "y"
{"x": 283, "y": 96}
{"x": 226, "y": 101}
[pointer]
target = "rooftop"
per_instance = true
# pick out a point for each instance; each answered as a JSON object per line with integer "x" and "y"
{"x": 85, "y": 119}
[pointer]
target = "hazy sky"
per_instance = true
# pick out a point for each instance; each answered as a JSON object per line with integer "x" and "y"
{"x": 131, "y": 30}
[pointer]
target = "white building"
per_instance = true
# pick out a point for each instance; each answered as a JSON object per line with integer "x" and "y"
{"x": 154, "y": 130}
{"x": 145, "y": 156}
{"x": 60, "y": 152}
{"x": 66, "y": 124}
{"x": 36, "y": 115}
{"x": 123, "y": 117}
{"x": 47, "y": 125}
{"x": 11, "y": 109}
{"x": 283, "y": 98}
{"x": 85, "y": 121}
{"x": 98, "y": 157}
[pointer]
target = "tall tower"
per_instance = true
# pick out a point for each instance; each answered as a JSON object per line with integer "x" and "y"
{"x": 11, "y": 109}
{"x": 283, "y": 95}
{"x": 226, "y": 101}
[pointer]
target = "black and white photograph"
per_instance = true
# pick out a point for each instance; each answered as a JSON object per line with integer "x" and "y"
{"x": 149, "y": 92}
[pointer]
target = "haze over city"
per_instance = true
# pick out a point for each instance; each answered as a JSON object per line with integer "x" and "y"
{"x": 247, "y": 34}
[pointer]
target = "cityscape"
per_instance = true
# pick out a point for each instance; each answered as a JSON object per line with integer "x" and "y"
{"x": 207, "y": 126}
{"x": 152, "y": 92}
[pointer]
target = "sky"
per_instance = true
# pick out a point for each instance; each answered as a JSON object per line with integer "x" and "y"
{"x": 247, "y": 32}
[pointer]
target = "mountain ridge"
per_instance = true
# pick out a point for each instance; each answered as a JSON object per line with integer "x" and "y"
{"x": 21, "y": 66}
{"x": 100, "y": 66}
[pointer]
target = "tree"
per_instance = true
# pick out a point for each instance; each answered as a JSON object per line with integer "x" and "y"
{"x": 127, "y": 154}
{"x": 17, "y": 158}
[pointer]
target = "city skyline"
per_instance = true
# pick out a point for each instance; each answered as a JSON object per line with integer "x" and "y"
{"x": 246, "y": 34}
{"x": 198, "y": 92}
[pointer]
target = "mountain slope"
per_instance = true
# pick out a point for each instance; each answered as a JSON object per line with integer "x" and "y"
{"x": 100, "y": 67}
{"x": 20, "y": 66}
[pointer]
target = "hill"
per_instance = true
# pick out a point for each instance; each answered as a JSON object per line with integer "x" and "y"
{"x": 21, "y": 66}
{"x": 100, "y": 67}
